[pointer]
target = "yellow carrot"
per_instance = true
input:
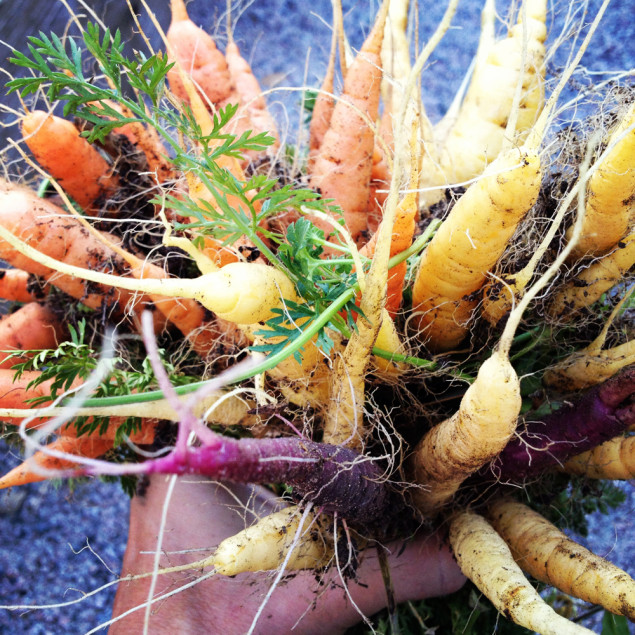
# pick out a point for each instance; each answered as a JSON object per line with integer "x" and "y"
{"x": 542, "y": 550}
{"x": 614, "y": 459}
{"x": 584, "y": 368}
{"x": 486, "y": 560}
{"x": 265, "y": 545}
{"x": 611, "y": 193}
{"x": 468, "y": 244}
{"x": 480, "y": 130}
{"x": 589, "y": 285}
{"x": 473, "y": 436}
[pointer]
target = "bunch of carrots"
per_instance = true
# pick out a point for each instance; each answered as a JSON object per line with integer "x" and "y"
{"x": 159, "y": 233}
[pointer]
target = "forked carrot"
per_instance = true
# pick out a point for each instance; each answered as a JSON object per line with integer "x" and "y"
{"x": 343, "y": 166}
{"x": 78, "y": 167}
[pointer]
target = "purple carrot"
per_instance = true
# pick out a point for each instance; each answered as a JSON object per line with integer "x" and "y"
{"x": 601, "y": 414}
{"x": 334, "y": 478}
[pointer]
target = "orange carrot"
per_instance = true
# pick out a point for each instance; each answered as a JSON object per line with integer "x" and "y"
{"x": 59, "y": 235}
{"x": 85, "y": 446}
{"x": 51, "y": 230}
{"x": 197, "y": 190}
{"x": 402, "y": 234}
{"x": 197, "y": 54}
{"x": 343, "y": 166}
{"x": 78, "y": 167}
{"x": 20, "y": 286}
{"x": 32, "y": 327}
{"x": 14, "y": 394}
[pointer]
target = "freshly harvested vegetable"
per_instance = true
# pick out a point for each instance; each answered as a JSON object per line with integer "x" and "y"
{"x": 34, "y": 469}
{"x": 240, "y": 292}
{"x": 402, "y": 234}
{"x": 50, "y": 229}
{"x": 586, "y": 368}
{"x": 250, "y": 94}
{"x": 342, "y": 169}
{"x": 485, "y": 558}
{"x": 78, "y": 167}
{"x": 342, "y": 406}
{"x": 589, "y": 285}
{"x": 339, "y": 480}
{"x": 68, "y": 244}
{"x": 197, "y": 55}
{"x": 467, "y": 246}
{"x": 543, "y": 551}
{"x": 613, "y": 459}
{"x": 265, "y": 545}
{"x": 611, "y": 193}
{"x": 479, "y": 133}
{"x": 604, "y": 412}
{"x": 474, "y": 435}
{"x": 14, "y": 392}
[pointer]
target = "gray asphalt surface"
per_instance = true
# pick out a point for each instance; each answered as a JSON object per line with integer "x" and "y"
{"x": 46, "y": 531}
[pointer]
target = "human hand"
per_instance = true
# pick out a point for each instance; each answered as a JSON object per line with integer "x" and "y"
{"x": 200, "y": 515}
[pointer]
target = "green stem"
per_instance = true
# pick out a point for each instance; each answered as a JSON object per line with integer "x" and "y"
{"x": 405, "y": 359}
{"x": 245, "y": 228}
{"x": 523, "y": 351}
{"x": 273, "y": 360}
{"x": 269, "y": 362}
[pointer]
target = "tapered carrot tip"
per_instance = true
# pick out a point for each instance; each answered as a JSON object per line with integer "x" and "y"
{"x": 376, "y": 37}
{"x": 179, "y": 11}
{"x": 28, "y": 472}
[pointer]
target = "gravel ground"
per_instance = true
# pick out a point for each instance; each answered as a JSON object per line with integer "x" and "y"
{"x": 59, "y": 544}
